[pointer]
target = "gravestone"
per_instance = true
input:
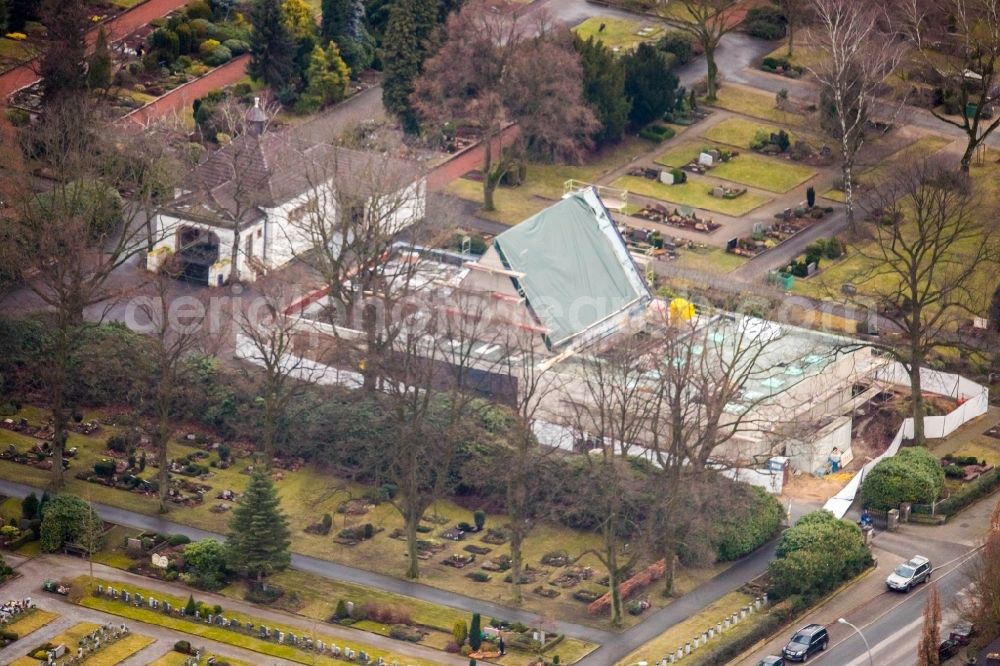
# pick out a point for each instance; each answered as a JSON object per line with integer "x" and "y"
{"x": 100, "y": 589}
{"x": 281, "y": 637}
{"x": 667, "y": 177}
{"x": 126, "y": 596}
{"x": 319, "y": 646}
{"x": 705, "y": 160}
{"x": 718, "y": 191}
{"x": 263, "y": 631}
{"x": 59, "y": 651}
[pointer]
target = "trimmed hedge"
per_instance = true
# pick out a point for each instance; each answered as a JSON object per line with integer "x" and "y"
{"x": 912, "y": 475}
{"x": 744, "y": 533}
{"x": 982, "y": 486}
{"x": 657, "y": 133}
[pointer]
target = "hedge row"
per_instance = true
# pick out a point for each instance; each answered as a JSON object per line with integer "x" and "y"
{"x": 727, "y": 651}
{"x": 984, "y": 485}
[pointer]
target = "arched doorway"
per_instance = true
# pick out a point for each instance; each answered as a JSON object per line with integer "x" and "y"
{"x": 197, "y": 250}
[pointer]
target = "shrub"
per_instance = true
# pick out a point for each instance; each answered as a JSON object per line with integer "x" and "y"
{"x": 657, "y": 133}
{"x": 198, "y": 9}
{"x": 460, "y": 632}
{"x": 384, "y": 613}
{"x": 679, "y": 45}
{"x": 765, "y": 22}
{"x": 237, "y": 47}
{"x": 402, "y": 632}
{"x": 18, "y": 117}
{"x": 912, "y": 475}
{"x": 184, "y": 647}
{"x": 340, "y": 612}
{"x": 984, "y": 485}
{"x": 746, "y": 531}
{"x": 29, "y": 506}
{"x": 219, "y": 56}
{"x": 815, "y": 555}
{"x": 192, "y": 607}
{"x": 680, "y": 176}
{"x": 764, "y": 30}
{"x": 327, "y": 523}
{"x": 954, "y": 472}
{"x": 476, "y": 632}
{"x": 123, "y": 442}
{"x": 104, "y": 468}
{"x": 479, "y": 518}
{"x": 810, "y": 196}
{"x": 203, "y": 27}
{"x": 208, "y": 46}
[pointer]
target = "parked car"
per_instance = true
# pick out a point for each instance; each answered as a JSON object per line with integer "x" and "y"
{"x": 806, "y": 642}
{"x": 962, "y": 632}
{"x": 915, "y": 570}
{"x": 56, "y": 587}
{"x": 771, "y": 660}
{"x": 948, "y": 649}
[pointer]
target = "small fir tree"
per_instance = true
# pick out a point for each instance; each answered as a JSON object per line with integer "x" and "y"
{"x": 475, "y": 633}
{"x": 191, "y": 608}
{"x": 258, "y": 532}
{"x": 29, "y": 506}
{"x": 99, "y": 63}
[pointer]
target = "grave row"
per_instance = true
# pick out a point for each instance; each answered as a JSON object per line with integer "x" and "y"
{"x": 262, "y": 631}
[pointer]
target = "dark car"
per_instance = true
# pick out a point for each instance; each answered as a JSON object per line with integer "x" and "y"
{"x": 948, "y": 649}
{"x": 962, "y": 632}
{"x": 806, "y": 642}
{"x": 771, "y": 660}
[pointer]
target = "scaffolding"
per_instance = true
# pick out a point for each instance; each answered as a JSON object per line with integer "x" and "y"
{"x": 614, "y": 199}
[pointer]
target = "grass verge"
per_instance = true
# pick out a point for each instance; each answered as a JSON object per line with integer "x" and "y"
{"x": 749, "y": 168}
{"x": 227, "y": 636}
{"x": 31, "y": 622}
{"x": 695, "y": 194}
{"x": 616, "y": 33}
{"x": 752, "y": 102}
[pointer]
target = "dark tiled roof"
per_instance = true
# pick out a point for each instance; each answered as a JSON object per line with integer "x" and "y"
{"x": 255, "y": 172}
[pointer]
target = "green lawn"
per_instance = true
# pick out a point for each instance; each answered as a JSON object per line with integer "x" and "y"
{"x": 752, "y": 102}
{"x": 617, "y": 33}
{"x": 544, "y": 183}
{"x": 127, "y": 4}
{"x": 119, "y": 651}
{"x": 16, "y": 51}
{"x": 177, "y": 659}
{"x": 766, "y": 173}
{"x": 222, "y": 635}
{"x": 923, "y": 147}
{"x": 694, "y": 193}
{"x": 684, "y": 631}
{"x": 713, "y": 260}
{"x": 762, "y": 172}
{"x": 31, "y": 622}
{"x": 739, "y": 132}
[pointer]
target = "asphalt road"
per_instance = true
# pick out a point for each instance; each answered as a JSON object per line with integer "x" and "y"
{"x": 894, "y": 633}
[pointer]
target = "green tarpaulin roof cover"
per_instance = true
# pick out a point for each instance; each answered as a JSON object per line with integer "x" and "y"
{"x": 578, "y": 274}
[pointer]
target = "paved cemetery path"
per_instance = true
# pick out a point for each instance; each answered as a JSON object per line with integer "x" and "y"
{"x": 63, "y": 567}
{"x": 120, "y": 26}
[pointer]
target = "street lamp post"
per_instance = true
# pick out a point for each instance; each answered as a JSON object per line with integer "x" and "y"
{"x": 867, "y": 647}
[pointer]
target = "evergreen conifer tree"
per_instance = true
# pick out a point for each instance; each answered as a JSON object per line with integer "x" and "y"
{"x": 604, "y": 88}
{"x": 63, "y": 64}
{"x": 405, "y": 47}
{"x": 476, "y": 633}
{"x": 258, "y": 532}
{"x": 99, "y": 63}
{"x": 272, "y": 47}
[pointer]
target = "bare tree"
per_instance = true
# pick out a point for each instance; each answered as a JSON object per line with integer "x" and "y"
{"x": 982, "y": 606}
{"x": 357, "y": 206}
{"x": 930, "y": 244}
{"x": 858, "y": 57}
{"x": 911, "y": 17}
{"x": 970, "y": 75}
{"x": 930, "y": 637}
{"x": 794, "y": 11}
{"x": 176, "y": 333}
{"x": 708, "y": 21}
{"x": 522, "y": 466}
{"x": 269, "y": 342}
{"x": 613, "y": 408}
{"x": 73, "y": 238}
{"x": 495, "y": 69}
{"x": 701, "y": 374}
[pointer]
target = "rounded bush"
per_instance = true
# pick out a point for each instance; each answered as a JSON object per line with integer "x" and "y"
{"x": 219, "y": 55}
{"x": 208, "y": 46}
{"x": 236, "y": 46}
{"x": 748, "y": 531}
{"x": 912, "y": 475}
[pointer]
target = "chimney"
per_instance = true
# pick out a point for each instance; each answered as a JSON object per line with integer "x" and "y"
{"x": 256, "y": 118}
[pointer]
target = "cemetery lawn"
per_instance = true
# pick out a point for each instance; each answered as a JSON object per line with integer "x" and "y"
{"x": 764, "y": 173}
{"x": 713, "y": 260}
{"x": 751, "y": 169}
{"x": 693, "y": 193}
{"x": 752, "y": 102}
{"x": 69, "y": 638}
{"x": 805, "y": 54}
{"x": 306, "y": 494}
{"x": 544, "y": 183}
{"x": 177, "y": 659}
{"x": 617, "y": 33}
{"x": 924, "y": 146}
{"x": 119, "y": 651}
{"x": 680, "y": 633}
{"x": 220, "y": 634}
{"x": 739, "y": 132}
{"x": 33, "y": 621}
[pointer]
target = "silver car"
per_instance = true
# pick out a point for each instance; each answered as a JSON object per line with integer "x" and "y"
{"x": 916, "y": 570}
